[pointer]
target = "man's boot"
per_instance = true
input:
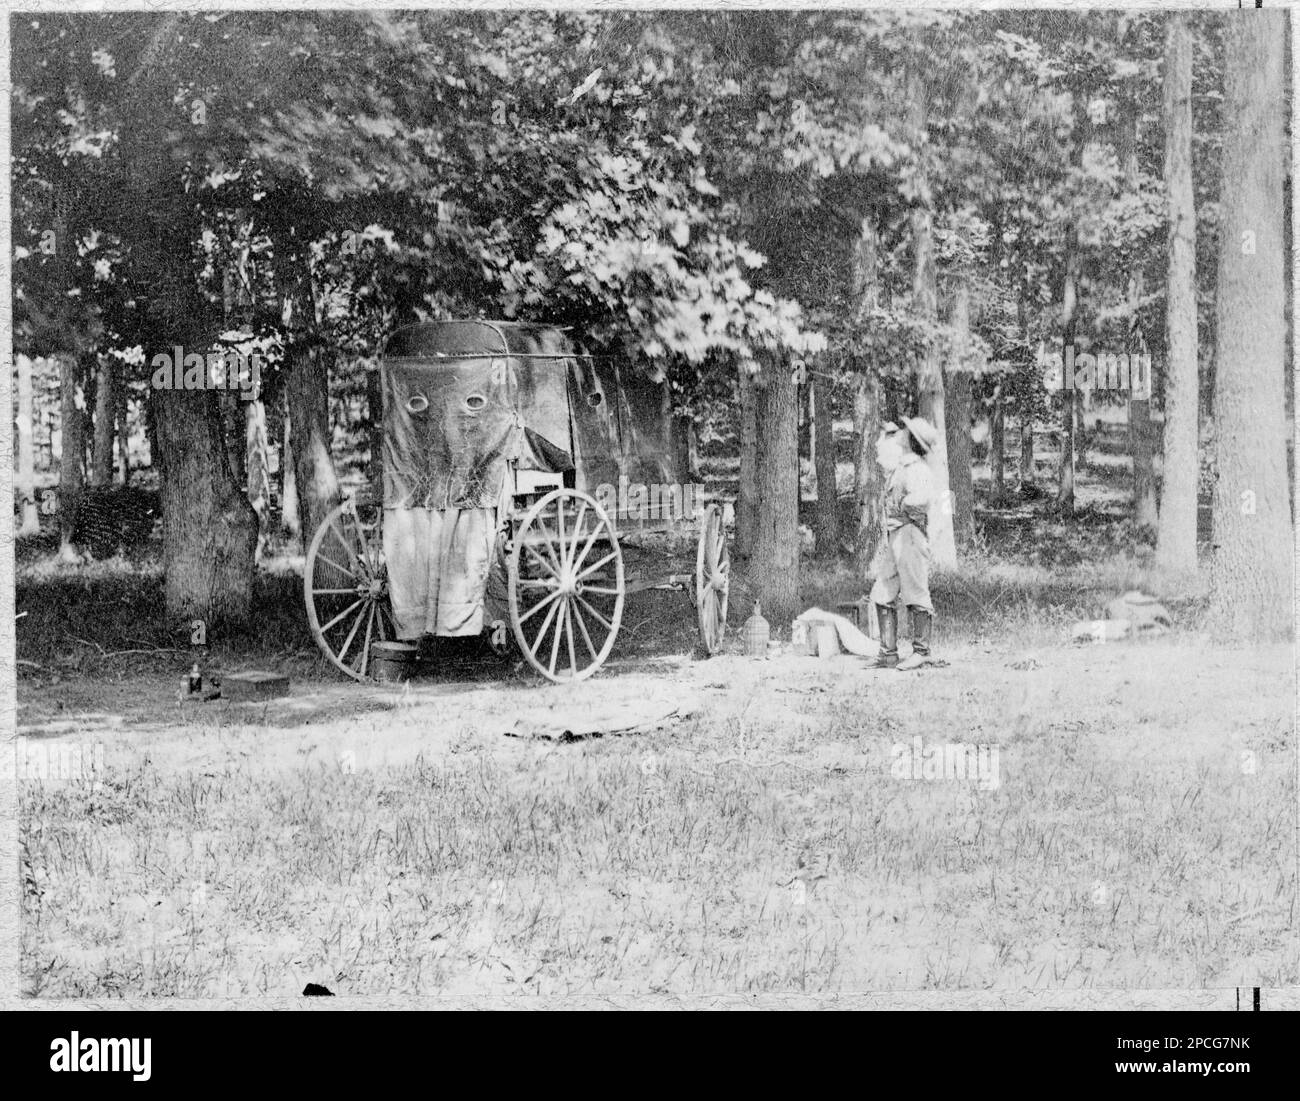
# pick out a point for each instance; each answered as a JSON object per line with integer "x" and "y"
{"x": 920, "y": 654}
{"x": 887, "y": 617}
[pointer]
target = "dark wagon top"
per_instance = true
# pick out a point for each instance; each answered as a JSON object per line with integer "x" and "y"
{"x": 461, "y": 399}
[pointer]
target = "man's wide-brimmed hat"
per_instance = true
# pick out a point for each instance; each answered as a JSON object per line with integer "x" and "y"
{"x": 922, "y": 431}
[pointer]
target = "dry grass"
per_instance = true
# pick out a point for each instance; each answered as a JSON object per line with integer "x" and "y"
{"x": 1124, "y": 847}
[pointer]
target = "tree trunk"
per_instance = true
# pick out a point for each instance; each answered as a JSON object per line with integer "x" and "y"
{"x": 1025, "y": 472}
{"x": 101, "y": 463}
{"x": 375, "y": 434}
{"x": 288, "y": 489}
{"x": 827, "y": 515}
{"x": 306, "y": 386}
{"x": 1142, "y": 429}
{"x": 1252, "y": 569}
{"x": 930, "y": 384}
{"x": 747, "y": 491}
{"x": 234, "y": 430}
{"x": 867, "y": 484}
{"x": 257, "y": 468}
{"x": 929, "y": 375}
{"x": 1142, "y": 446}
{"x": 957, "y": 386}
{"x": 72, "y": 451}
{"x": 1176, "y": 539}
{"x": 30, "y": 523}
{"x": 774, "y": 564}
{"x": 123, "y": 414}
{"x": 209, "y": 528}
{"x": 997, "y": 445}
{"x": 1069, "y": 325}
{"x": 1070, "y": 289}
{"x": 805, "y": 444}
{"x": 957, "y": 401}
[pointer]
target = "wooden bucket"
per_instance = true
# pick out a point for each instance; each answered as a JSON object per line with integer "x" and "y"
{"x": 393, "y": 662}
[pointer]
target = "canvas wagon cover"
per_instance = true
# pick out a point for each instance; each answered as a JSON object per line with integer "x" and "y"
{"x": 460, "y": 401}
{"x": 622, "y": 427}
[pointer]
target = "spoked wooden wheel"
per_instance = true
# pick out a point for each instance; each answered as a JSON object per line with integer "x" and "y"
{"x": 712, "y": 580}
{"x": 345, "y": 582}
{"x": 566, "y": 586}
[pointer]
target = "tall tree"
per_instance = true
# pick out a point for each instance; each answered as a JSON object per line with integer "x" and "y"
{"x": 1141, "y": 427}
{"x": 1176, "y": 538}
{"x": 1025, "y": 470}
{"x": 1252, "y": 573}
{"x": 101, "y": 463}
{"x": 209, "y": 528}
{"x": 747, "y": 488}
{"x": 827, "y": 516}
{"x": 72, "y": 449}
{"x": 958, "y": 410}
{"x": 289, "y": 516}
{"x": 256, "y": 468}
{"x": 930, "y": 385}
{"x": 1069, "y": 330}
{"x": 306, "y": 385}
{"x": 867, "y": 483}
{"x": 774, "y": 566}
{"x": 123, "y": 415}
{"x": 26, "y": 486}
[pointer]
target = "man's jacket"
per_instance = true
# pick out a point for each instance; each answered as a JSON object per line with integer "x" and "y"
{"x": 908, "y": 494}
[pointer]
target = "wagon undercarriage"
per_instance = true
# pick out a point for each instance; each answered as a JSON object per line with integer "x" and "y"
{"x": 567, "y": 586}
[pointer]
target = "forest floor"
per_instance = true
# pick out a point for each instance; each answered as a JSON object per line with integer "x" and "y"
{"x": 1135, "y": 828}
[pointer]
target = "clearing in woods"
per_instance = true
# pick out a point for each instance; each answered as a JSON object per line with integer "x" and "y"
{"x": 1142, "y": 833}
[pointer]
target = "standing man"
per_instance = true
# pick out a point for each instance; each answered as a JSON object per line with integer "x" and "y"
{"x": 901, "y": 565}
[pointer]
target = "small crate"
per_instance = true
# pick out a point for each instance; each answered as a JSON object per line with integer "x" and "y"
{"x": 254, "y": 685}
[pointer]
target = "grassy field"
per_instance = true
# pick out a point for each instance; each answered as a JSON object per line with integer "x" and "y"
{"x": 1141, "y": 835}
{"x": 762, "y": 844}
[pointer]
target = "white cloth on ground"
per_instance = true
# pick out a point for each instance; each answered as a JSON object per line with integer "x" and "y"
{"x": 853, "y": 640}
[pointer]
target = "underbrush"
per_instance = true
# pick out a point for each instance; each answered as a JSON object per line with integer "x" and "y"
{"x": 108, "y": 617}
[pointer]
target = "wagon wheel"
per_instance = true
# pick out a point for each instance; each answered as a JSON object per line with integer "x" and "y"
{"x": 566, "y": 586}
{"x": 345, "y": 583}
{"x": 712, "y": 580}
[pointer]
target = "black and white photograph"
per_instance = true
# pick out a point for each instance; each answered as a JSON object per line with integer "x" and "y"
{"x": 651, "y": 508}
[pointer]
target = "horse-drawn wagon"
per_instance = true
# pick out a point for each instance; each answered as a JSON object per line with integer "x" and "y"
{"x": 513, "y": 468}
